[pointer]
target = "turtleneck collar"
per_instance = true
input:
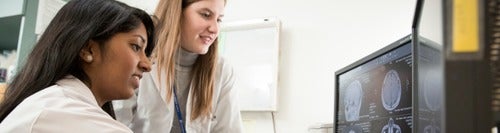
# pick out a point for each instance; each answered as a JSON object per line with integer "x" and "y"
{"x": 186, "y": 58}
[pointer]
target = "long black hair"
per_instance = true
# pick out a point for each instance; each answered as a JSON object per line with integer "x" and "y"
{"x": 57, "y": 52}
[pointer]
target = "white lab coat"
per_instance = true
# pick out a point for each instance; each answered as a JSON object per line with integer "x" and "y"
{"x": 67, "y": 107}
{"x": 149, "y": 112}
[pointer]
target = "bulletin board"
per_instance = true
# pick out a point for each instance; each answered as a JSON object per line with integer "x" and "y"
{"x": 252, "y": 48}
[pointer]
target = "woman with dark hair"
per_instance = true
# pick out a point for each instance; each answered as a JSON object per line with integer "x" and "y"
{"x": 92, "y": 52}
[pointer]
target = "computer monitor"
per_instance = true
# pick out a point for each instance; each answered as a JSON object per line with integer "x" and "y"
{"x": 376, "y": 93}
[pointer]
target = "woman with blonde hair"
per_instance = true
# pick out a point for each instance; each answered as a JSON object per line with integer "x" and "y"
{"x": 190, "y": 88}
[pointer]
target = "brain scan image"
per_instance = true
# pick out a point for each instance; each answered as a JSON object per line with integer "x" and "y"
{"x": 352, "y": 101}
{"x": 352, "y": 129}
{"x": 391, "y": 127}
{"x": 432, "y": 90}
{"x": 432, "y": 129}
{"x": 391, "y": 90}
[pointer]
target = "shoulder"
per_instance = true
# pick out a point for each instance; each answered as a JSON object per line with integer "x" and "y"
{"x": 51, "y": 110}
{"x": 224, "y": 67}
{"x": 29, "y": 109}
{"x": 225, "y": 76}
{"x": 224, "y": 72}
{"x": 69, "y": 119}
{"x": 51, "y": 97}
{"x": 64, "y": 111}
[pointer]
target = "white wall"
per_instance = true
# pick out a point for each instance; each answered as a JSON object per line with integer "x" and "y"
{"x": 11, "y": 7}
{"x": 318, "y": 38}
{"x": 147, "y": 5}
{"x": 431, "y": 23}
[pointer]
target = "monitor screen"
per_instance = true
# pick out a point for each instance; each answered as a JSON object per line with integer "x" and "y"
{"x": 375, "y": 93}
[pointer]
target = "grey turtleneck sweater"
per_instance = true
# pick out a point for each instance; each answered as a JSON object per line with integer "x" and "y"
{"x": 148, "y": 113}
{"x": 183, "y": 68}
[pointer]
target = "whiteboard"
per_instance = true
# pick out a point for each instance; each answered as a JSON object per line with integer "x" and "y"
{"x": 252, "y": 47}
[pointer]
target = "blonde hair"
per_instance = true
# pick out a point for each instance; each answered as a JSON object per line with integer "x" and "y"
{"x": 169, "y": 14}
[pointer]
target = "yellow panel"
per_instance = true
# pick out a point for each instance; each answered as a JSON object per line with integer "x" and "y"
{"x": 465, "y": 26}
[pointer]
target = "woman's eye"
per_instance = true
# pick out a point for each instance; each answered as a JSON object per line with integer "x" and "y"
{"x": 136, "y": 47}
{"x": 206, "y": 14}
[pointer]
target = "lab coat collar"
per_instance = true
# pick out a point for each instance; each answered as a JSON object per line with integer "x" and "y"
{"x": 77, "y": 89}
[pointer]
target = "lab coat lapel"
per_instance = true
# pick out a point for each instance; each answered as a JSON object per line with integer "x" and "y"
{"x": 159, "y": 85}
{"x": 198, "y": 125}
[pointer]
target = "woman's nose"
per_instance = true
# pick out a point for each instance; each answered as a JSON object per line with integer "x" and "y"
{"x": 145, "y": 64}
{"x": 214, "y": 27}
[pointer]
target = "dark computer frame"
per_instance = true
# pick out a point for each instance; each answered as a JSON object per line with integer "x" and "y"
{"x": 391, "y": 47}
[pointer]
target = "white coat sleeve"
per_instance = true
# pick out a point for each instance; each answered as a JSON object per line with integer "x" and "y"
{"x": 227, "y": 117}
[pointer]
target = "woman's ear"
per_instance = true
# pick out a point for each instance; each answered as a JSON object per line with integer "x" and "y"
{"x": 88, "y": 51}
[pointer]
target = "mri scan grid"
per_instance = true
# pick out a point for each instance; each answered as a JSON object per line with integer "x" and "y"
{"x": 376, "y": 96}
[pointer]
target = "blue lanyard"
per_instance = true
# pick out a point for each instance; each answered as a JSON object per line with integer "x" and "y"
{"x": 179, "y": 114}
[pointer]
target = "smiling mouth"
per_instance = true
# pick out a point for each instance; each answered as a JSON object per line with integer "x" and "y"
{"x": 138, "y": 76}
{"x": 207, "y": 39}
